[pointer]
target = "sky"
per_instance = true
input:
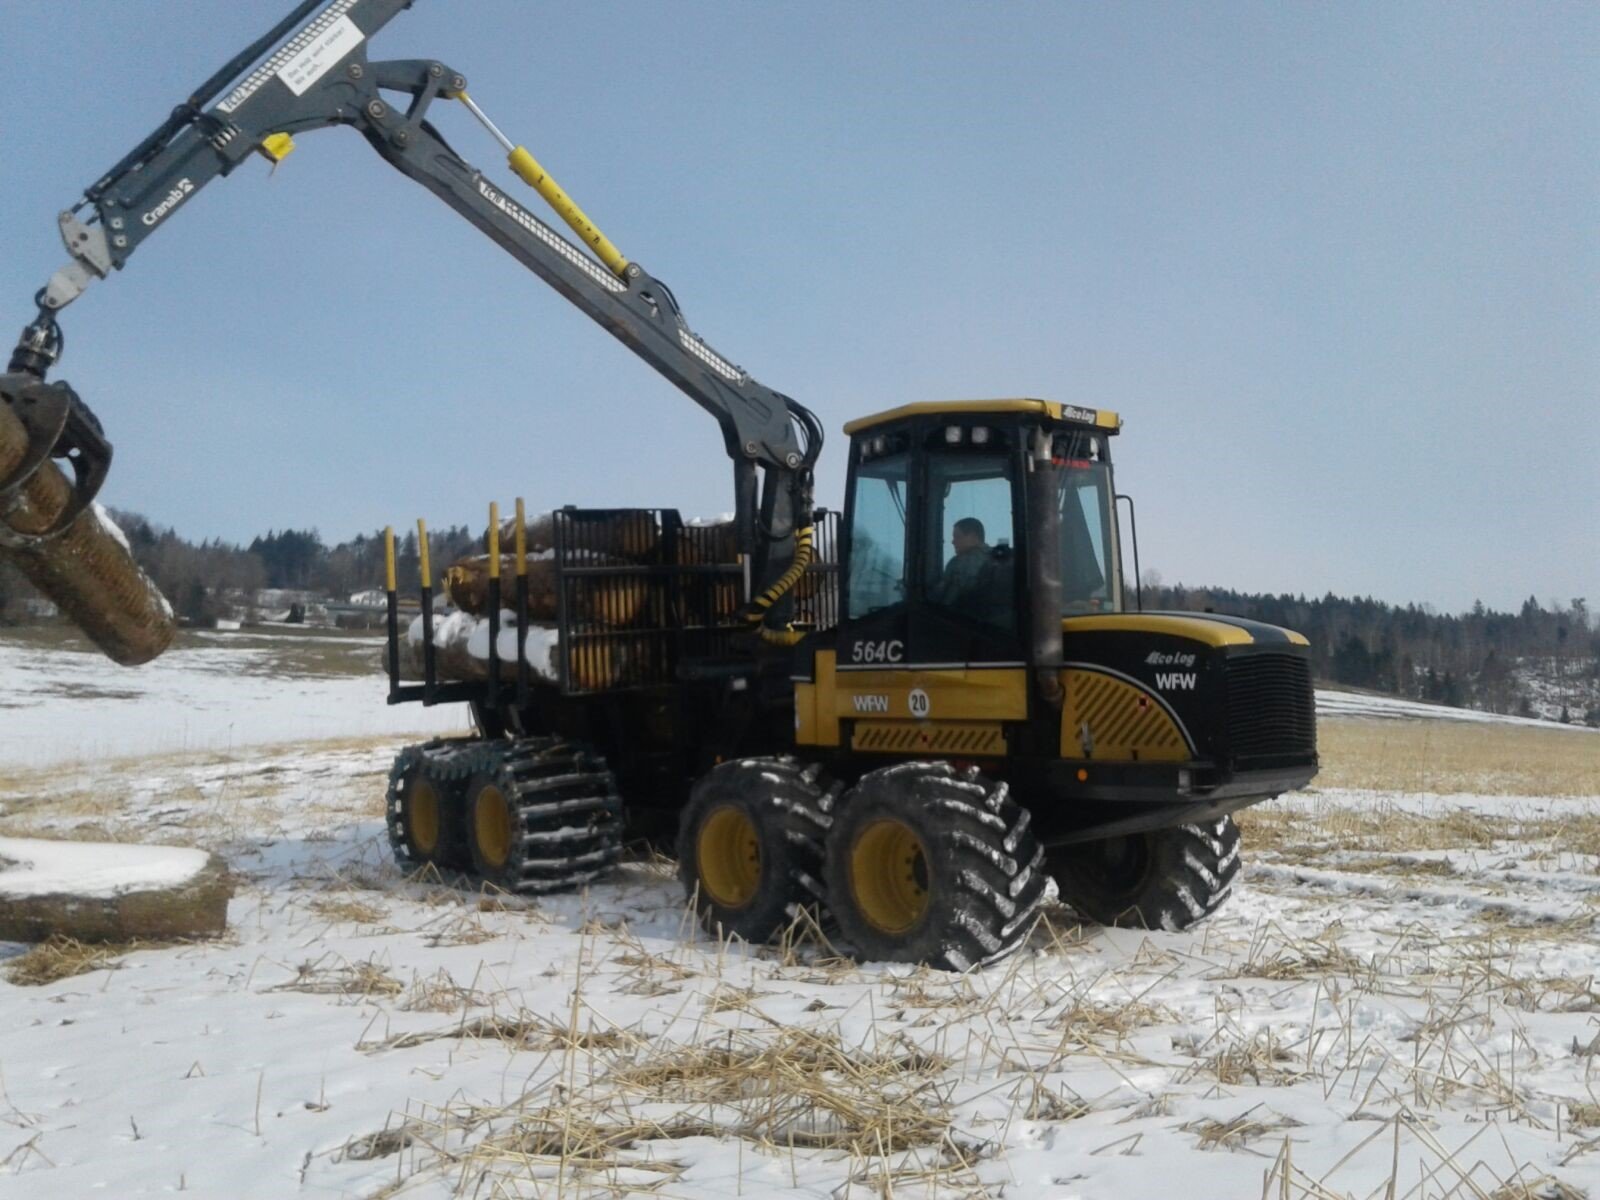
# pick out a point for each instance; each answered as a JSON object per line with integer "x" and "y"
{"x": 1337, "y": 266}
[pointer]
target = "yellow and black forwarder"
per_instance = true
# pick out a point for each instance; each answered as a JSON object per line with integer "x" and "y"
{"x": 911, "y": 716}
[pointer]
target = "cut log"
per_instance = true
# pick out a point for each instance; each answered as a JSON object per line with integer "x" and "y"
{"x": 461, "y": 653}
{"x": 88, "y": 570}
{"x": 607, "y": 602}
{"x": 466, "y": 583}
{"x": 109, "y": 892}
{"x": 631, "y": 535}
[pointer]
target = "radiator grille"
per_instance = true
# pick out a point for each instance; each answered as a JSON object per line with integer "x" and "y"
{"x": 1271, "y": 708}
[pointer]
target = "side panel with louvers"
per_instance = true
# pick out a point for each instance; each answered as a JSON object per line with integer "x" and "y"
{"x": 1271, "y": 709}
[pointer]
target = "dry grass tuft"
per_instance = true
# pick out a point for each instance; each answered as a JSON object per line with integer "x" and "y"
{"x": 439, "y": 993}
{"x": 348, "y": 909}
{"x": 1581, "y": 1115}
{"x": 1546, "y": 1187}
{"x": 1258, "y": 1059}
{"x": 1096, "y": 1022}
{"x": 341, "y": 979}
{"x": 1239, "y": 1131}
{"x": 459, "y": 930}
{"x": 801, "y": 1088}
{"x": 522, "y": 1030}
{"x": 62, "y": 957}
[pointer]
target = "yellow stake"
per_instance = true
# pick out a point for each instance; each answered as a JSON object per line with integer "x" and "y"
{"x": 422, "y": 551}
{"x": 388, "y": 557}
{"x": 522, "y": 539}
{"x": 494, "y": 539}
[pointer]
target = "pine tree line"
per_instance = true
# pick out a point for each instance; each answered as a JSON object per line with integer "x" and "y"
{"x": 1535, "y": 659}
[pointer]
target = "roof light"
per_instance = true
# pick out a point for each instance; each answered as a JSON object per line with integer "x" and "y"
{"x": 952, "y": 434}
{"x": 980, "y": 435}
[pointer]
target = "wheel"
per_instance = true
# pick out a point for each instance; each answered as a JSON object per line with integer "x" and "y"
{"x": 1164, "y": 879}
{"x": 423, "y": 807}
{"x": 750, "y": 845}
{"x": 541, "y": 814}
{"x": 928, "y": 864}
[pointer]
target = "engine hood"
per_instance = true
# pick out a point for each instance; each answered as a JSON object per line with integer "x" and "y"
{"x": 1209, "y": 629}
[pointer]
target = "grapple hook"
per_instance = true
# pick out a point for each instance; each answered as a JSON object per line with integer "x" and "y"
{"x": 59, "y": 425}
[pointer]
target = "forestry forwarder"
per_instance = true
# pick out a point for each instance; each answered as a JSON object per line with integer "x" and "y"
{"x": 916, "y": 762}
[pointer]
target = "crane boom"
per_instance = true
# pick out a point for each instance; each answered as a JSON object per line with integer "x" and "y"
{"x": 314, "y": 73}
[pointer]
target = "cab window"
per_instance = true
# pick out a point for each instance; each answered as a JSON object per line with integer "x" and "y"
{"x": 970, "y": 562}
{"x": 1090, "y": 574}
{"x": 878, "y": 535}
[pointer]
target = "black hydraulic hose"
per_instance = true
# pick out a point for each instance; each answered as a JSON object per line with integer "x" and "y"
{"x": 187, "y": 112}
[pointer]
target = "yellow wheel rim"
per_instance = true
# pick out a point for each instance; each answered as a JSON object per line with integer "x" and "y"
{"x": 422, "y": 816}
{"x": 889, "y": 875}
{"x": 729, "y": 858}
{"x": 491, "y": 825}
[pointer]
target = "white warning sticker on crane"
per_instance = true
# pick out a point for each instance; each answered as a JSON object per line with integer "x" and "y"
{"x": 321, "y": 56}
{"x": 304, "y": 58}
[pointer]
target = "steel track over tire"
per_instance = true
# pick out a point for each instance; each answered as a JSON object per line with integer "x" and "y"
{"x": 423, "y": 807}
{"x": 750, "y": 845}
{"x": 1165, "y": 879}
{"x": 933, "y": 865}
{"x": 541, "y": 814}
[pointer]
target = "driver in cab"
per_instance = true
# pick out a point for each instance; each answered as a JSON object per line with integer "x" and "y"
{"x": 966, "y": 583}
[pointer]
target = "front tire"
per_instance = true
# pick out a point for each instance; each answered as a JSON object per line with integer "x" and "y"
{"x": 750, "y": 846}
{"x": 1162, "y": 879}
{"x": 927, "y": 864}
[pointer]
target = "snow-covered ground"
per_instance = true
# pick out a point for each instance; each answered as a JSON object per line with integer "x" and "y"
{"x": 1402, "y": 988}
{"x": 1332, "y": 703}
{"x": 210, "y": 692}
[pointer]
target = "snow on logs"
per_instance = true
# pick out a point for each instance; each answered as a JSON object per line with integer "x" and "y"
{"x": 603, "y": 610}
{"x": 88, "y": 570}
{"x": 109, "y": 892}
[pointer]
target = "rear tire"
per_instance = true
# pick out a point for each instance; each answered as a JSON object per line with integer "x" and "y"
{"x": 1163, "y": 879}
{"x": 750, "y": 846}
{"x": 541, "y": 815}
{"x": 423, "y": 807}
{"x": 927, "y": 864}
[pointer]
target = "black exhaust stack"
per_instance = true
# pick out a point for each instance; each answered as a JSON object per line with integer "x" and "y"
{"x": 1044, "y": 569}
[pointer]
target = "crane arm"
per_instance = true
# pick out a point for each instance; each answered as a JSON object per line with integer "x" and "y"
{"x": 320, "y": 75}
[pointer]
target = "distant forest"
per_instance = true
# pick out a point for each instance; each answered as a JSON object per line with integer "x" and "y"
{"x": 1543, "y": 659}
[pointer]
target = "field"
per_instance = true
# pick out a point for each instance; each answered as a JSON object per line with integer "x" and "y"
{"x": 1400, "y": 1001}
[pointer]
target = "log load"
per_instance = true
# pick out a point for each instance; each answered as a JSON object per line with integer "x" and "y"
{"x": 600, "y": 601}
{"x": 88, "y": 570}
{"x": 631, "y": 536}
{"x": 461, "y": 653}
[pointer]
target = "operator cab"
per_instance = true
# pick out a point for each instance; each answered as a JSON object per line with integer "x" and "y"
{"x": 937, "y": 545}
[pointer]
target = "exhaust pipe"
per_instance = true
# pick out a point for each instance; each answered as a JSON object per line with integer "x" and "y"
{"x": 52, "y": 532}
{"x": 1044, "y": 569}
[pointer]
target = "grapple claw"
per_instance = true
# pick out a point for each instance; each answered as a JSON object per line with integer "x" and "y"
{"x": 53, "y": 533}
{"x": 57, "y": 425}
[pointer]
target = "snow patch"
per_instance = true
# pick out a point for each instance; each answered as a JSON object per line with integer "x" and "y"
{"x": 31, "y": 867}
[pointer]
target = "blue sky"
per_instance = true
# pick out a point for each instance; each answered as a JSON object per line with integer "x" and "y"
{"x": 1336, "y": 265}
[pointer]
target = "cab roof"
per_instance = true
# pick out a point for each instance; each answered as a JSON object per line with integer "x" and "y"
{"x": 1068, "y": 413}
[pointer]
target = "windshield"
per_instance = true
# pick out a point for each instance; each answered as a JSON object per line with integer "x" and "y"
{"x": 1091, "y": 575}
